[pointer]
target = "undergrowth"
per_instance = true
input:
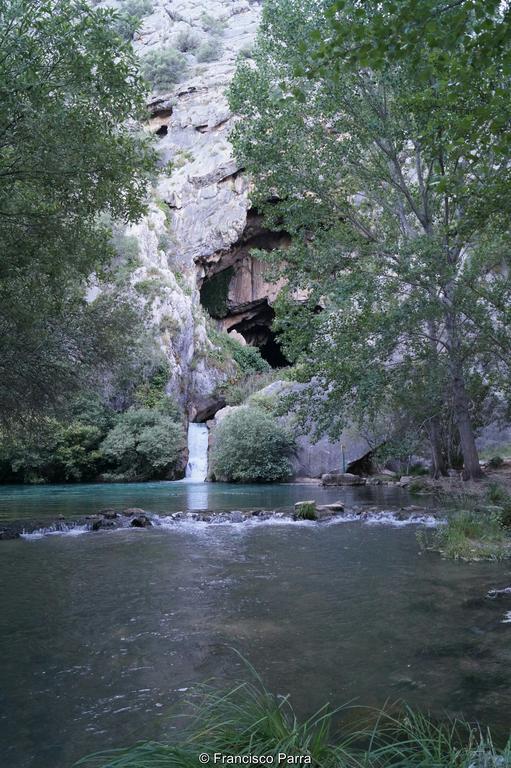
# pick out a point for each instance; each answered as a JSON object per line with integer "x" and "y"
{"x": 250, "y": 722}
{"x": 476, "y": 528}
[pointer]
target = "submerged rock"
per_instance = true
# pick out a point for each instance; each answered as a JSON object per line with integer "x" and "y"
{"x": 342, "y": 478}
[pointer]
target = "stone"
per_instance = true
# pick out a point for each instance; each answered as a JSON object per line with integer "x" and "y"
{"x": 343, "y": 478}
{"x": 404, "y": 481}
{"x": 109, "y": 513}
{"x": 133, "y": 511}
{"x": 141, "y": 521}
{"x": 102, "y": 523}
{"x": 335, "y": 506}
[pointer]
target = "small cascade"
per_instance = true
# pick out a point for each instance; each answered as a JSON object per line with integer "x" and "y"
{"x": 198, "y": 438}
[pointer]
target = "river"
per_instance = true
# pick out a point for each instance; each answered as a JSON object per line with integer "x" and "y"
{"x": 102, "y": 633}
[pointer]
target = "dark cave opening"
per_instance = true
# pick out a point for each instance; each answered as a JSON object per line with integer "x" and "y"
{"x": 256, "y": 328}
{"x": 271, "y": 351}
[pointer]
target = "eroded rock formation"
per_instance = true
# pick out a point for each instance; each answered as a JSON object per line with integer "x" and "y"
{"x": 197, "y": 223}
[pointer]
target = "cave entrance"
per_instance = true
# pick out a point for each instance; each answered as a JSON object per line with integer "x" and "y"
{"x": 236, "y": 292}
{"x": 271, "y": 351}
{"x": 256, "y": 328}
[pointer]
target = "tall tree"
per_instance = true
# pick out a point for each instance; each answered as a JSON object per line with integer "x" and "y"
{"x": 69, "y": 88}
{"x": 397, "y": 224}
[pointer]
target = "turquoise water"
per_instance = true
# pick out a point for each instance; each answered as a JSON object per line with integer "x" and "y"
{"x": 102, "y": 635}
{"x": 44, "y": 502}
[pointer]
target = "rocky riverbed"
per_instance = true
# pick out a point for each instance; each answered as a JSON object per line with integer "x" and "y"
{"x": 134, "y": 517}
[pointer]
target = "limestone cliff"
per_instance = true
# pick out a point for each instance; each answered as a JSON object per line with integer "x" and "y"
{"x": 194, "y": 267}
{"x": 197, "y": 224}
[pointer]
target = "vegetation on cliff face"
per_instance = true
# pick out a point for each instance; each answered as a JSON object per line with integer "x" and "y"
{"x": 69, "y": 86}
{"x": 390, "y": 172}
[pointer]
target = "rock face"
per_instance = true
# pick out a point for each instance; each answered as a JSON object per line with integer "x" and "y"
{"x": 197, "y": 221}
{"x": 311, "y": 459}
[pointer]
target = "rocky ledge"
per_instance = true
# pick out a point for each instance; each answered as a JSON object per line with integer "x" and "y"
{"x": 134, "y": 517}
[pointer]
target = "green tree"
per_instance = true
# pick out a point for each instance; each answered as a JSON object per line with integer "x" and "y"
{"x": 144, "y": 444}
{"x": 250, "y": 446}
{"x": 68, "y": 87}
{"x": 398, "y": 234}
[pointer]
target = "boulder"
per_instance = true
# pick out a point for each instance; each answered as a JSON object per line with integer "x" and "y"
{"x": 342, "y": 478}
{"x": 405, "y": 480}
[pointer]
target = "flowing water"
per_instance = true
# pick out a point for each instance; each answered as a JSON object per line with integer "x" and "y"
{"x": 101, "y": 634}
{"x": 198, "y": 439}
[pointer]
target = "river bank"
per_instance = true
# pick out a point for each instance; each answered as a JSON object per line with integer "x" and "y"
{"x": 248, "y": 725}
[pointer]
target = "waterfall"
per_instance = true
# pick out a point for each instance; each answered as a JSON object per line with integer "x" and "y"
{"x": 197, "y": 467}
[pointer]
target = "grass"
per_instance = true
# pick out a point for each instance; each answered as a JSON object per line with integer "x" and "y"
{"x": 306, "y": 510}
{"x": 250, "y": 722}
{"x": 476, "y": 529}
{"x": 503, "y": 449}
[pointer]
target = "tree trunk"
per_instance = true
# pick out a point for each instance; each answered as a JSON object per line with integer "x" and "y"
{"x": 438, "y": 465}
{"x": 471, "y": 467}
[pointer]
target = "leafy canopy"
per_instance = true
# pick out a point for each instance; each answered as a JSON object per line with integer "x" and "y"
{"x": 69, "y": 88}
{"x": 397, "y": 274}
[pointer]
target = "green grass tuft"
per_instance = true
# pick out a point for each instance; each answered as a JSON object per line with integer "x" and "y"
{"x": 249, "y": 720}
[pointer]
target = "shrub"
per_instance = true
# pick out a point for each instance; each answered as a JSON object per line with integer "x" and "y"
{"x": 186, "y": 41}
{"x": 163, "y": 68}
{"x": 246, "y": 52}
{"x": 238, "y": 392}
{"x": 138, "y": 8}
{"x": 209, "y": 51}
{"x": 495, "y": 462}
{"x": 144, "y": 444}
{"x": 497, "y": 493}
{"x": 132, "y": 13}
{"x": 211, "y": 24}
{"x": 56, "y": 451}
{"x": 250, "y": 446}
{"x": 248, "y": 358}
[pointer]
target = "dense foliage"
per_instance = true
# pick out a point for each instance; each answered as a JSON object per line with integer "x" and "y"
{"x": 250, "y": 446}
{"x": 144, "y": 444}
{"x": 93, "y": 440}
{"x": 68, "y": 84}
{"x": 391, "y": 181}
